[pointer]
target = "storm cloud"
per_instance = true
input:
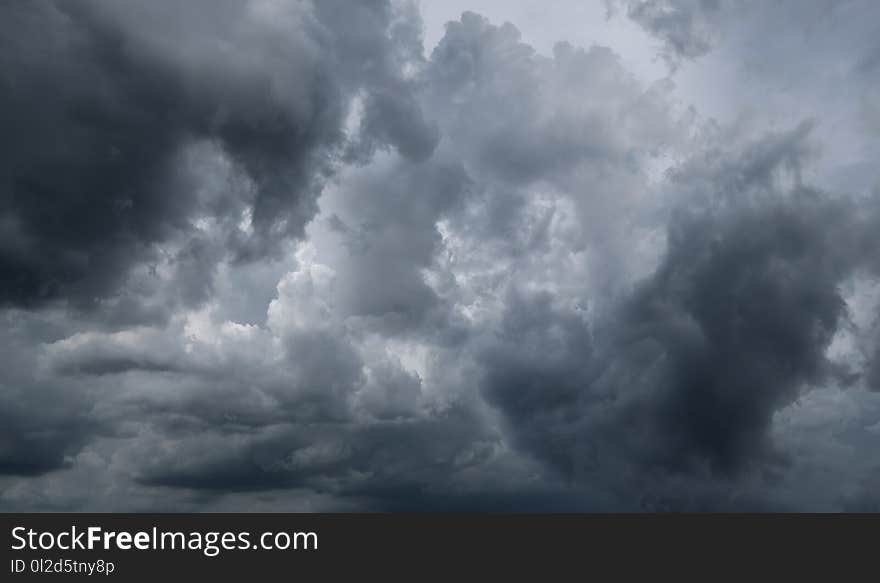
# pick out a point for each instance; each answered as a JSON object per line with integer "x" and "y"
{"x": 101, "y": 111}
{"x": 282, "y": 255}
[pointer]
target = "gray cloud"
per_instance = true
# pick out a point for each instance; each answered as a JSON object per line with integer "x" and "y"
{"x": 107, "y": 107}
{"x": 271, "y": 255}
{"x": 43, "y": 421}
{"x": 731, "y": 328}
{"x": 686, "y": 28}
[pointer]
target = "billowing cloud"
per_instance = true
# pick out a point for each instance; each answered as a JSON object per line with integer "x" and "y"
{"x": 107, "y": 107}
{"x": 278, "y": 255}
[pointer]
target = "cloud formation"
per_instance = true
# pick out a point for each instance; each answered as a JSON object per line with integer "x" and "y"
{"x": 107, "y": 113}
{"x": 687, "y": 29}
{"x": 276, "y": 255}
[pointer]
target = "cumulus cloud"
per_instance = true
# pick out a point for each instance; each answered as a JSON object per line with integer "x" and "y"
{"x": 276, "y": 255}
{"x": 733, "y": 325}
{"x": 106, "y": 112}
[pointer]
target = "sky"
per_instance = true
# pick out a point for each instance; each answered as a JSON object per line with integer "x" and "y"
{"x": 478, "y": 255}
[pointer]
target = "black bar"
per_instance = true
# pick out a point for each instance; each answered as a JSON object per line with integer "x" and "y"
{"x": 546, "y": 547}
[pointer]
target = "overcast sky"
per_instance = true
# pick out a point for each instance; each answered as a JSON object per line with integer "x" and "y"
{"x": 515, "y": 255}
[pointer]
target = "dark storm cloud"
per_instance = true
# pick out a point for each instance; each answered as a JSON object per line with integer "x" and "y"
{"x": 44, "y": 430}
{"x": 100, "y": 101}
{"x": 42, "y": 422}
{"x": 537, "y": 373}
{"x": 118, "y": 120}
{"x": 570, "y": 400}
{"x": 322, "y": 267}
{"x": 740, "y": 313}
{"x": 731, "y": 328}
{"x": 343, "y": 458}
{"x": 39, "y": 433}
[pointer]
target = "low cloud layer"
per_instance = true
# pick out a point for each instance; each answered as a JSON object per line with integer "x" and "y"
{"x": 274, "y": 255}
